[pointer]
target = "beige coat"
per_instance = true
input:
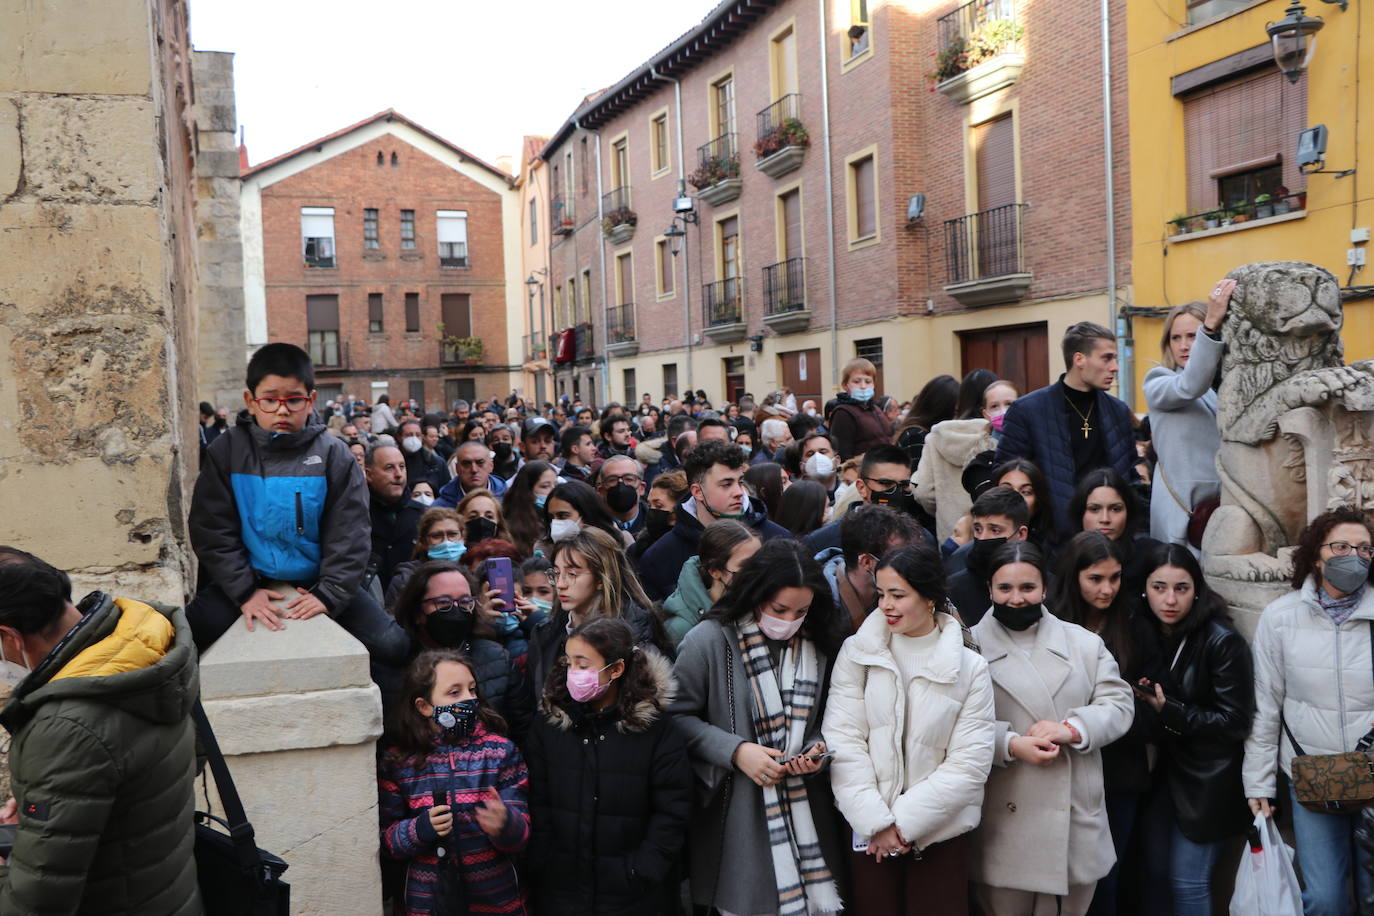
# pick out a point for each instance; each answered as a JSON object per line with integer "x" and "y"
{"x": 939, "y": 478}
{"x": 926, "y": 778}
{"x": 1045, "y": 828}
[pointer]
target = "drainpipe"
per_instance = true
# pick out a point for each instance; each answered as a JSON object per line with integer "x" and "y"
{"x": 682, "y": 190}
{"x": 1125, "y": 346}
{"x": 601, "y": 249}
{"x": 829, "y": 197}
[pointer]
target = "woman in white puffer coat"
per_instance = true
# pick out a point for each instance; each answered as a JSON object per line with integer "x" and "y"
{"x": 910, "y": 720}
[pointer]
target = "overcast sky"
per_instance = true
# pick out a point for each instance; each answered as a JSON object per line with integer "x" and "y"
{"x": 481, "y": 75}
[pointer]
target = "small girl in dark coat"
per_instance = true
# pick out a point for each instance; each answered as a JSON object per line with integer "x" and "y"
{"x": 449, "y": 744}
{"x": 610, "y": 780}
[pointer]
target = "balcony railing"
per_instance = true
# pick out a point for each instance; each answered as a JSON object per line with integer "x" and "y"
{"x": 453, "y": 254}
{"x": 583, "y": 345}
{"x": 561, "y": 215}
{"x": 723, "y": 302}
{"x": 1262, "y": 207}
{"x": 973, "y": 33}
{"x": 717, "y": 161}
{"x": 784, "y": 286}
{"x": 618, "y": 219}
{"x": 536, "y": 347}
{"x": 465, "y": 351}
{"x": 617, "y": 199}
{"x": 985, "y": 244}
{"x": 620, "y": 323}
{"x": 778, "y": 122}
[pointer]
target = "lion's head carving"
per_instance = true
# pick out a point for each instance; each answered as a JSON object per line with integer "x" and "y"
{"x": 1285, "y": 316}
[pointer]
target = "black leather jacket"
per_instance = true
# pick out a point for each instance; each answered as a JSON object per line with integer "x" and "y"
{"x": 1201, "y": 731}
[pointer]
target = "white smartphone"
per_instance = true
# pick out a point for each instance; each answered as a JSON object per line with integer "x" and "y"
{"x": 858, "y": 843}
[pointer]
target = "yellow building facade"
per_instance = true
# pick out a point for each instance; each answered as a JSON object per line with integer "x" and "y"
{"x": 1179, "y": 249}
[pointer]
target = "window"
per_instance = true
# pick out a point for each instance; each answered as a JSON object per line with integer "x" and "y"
{"x": 317, "y": 236}
{"x": 871, "y": 349}
{"x": 417, "y": 392}
{"x": 723, "y": 106}
{"x": 407, "y": 230}
{"x": 1202, "y": 10}
{"x": 412, "y": 313}
{"x": 370, "y": 240}
{"x": 558, "y": 309}
{"x": 456, "y": 310}
{"x": 1239, "y": 136}
{"x": 994, "y": 161}
{"x": 629, "y": 382}
{"x": 858, "y": 34}
{"x": 452, "y": 231}
{"x": 322, "y": 329}
{"x": 460, "y": 389}
{"x": 789, "y": 225}
{"x": 733, "y": 367}
{"x": 663, "y": 267}
{"x": 863, "y": 192}
{"x": 624, "y": 279}
{"x": 727, "y": 237}
{"x": 585, "y": 166}
{"x": 374, "y": 313}
{"x": 534, "y": 221}
{"x": 586, "y": 302}
{"x": 670, "y": 380}
{"x": 568, "y": 173}
{"x": 572, "y": 309}
{"x": 782, "y": 53}
{"x": 620, "y": 163}
{"x": 658, "y": 143}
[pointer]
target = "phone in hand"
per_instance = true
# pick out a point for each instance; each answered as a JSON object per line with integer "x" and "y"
{"x": 818, "y": 757}
{"x": 501, "y": 576}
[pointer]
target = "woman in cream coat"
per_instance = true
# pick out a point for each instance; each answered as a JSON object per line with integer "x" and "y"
{"x": 910, "y": 720}
{"x": 1044, "y": 842}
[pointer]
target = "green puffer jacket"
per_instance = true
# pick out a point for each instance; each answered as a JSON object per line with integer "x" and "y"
{"x": 103, "y": 764}
{"x": 684, "y": 607}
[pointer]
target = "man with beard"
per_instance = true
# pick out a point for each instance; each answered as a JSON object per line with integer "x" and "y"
{"x": 620, "y": 483}
{"x": 865, "y": 535}
{"x": 395, "y": 516}
{"x": 999, "y": 516}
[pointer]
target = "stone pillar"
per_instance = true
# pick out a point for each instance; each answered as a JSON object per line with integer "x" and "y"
{"x": 297, "y": 716}
{"x": 96, "y": 248}
{"x": 221, "y": 342}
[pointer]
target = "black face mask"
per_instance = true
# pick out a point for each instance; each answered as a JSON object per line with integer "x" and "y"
{"x": 449, "y": 628}
{"x": 980, "y": 555}
{"x": 657, "y": 521}
{"x": 621, "y": 497}
{"x": 896, "y": 499}
{"x": 478, "y": 529}
{"x": 1016, "y": 618}
{"x": 503, "y": 451}
{"x": 221, "y": 422}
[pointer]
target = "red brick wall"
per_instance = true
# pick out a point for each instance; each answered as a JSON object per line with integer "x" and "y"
{"x": 351, "y": 182}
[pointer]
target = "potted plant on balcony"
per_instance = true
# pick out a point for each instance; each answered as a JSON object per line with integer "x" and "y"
{"x": 619, "y": 224}
{"x": 1212, "y": 218}
{"x": 717, "y": 179}
{"x": 981, "y": 45}
{"x": 464, "y": 349}
{"x": 1181, "y": 224}
{"x": 1281, "y": 201}
{"x": 781, "y": 149}
{"x": 1264, "y": 206}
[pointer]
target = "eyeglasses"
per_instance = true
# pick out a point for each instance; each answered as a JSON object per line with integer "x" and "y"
{"x": 555, "y": 574}
{"x": 1341, "y": 549}
{"x": 438, "y": 537}
{"x": 271, "y": 405}
{"x": 882, "y": 483}
{"x": 441, "y": 603}
{"x": 630, "y": 480}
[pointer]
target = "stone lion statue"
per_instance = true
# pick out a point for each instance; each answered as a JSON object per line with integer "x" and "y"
{"x": 1283, "y": 353}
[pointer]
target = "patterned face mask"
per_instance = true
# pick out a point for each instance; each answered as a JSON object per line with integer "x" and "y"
{"x": 457, "y": 718}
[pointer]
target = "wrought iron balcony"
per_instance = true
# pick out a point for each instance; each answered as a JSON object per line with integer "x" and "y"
{"x": 583, "y": 345}
{"x": 782, "y": 138}
{"x": 536, "y": 347}
{"x": 466, "y": 351}
{"x": 619, "y": 219}
{"x": 561, "y": 215}
{"x": 978, "y": 33}
{"x": 621, "y": 339}
{"x": 723, "y": 309}
{"x": 784, "y": 296}
{"x": 984, "y": 256}
{"x": 717, "y": 175}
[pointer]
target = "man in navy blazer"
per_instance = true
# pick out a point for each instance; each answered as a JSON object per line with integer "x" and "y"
{"x": 1073, "y": 426}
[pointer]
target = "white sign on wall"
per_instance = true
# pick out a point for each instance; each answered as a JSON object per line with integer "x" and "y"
{"x": 801, "y": 366}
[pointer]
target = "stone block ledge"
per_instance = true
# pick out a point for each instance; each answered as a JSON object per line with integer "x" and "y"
{"x": 321, "y": 718}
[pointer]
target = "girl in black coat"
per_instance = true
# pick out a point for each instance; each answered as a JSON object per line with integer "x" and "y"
{"x": 610, "y": 781}
{"x": 1198, "y": 690}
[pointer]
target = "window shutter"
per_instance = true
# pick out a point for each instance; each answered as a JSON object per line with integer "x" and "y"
{"x": 791, "y": 225}
{"x": 452, "y": 225}
{"x": 865, "y": 220}
{"x": 457, "y": 314}
{"x": 1247, "y": 120}
{"x": 322, "y": 313}
{"x": 317, "y": 222}
{"x": 995, "y": 160}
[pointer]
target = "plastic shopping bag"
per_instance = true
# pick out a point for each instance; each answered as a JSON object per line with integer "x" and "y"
{"x": 1266, "y": 884}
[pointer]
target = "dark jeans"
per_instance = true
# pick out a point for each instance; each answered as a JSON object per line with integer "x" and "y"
{"x": 1122, "y": 809}
{"x": 211, "y": 613}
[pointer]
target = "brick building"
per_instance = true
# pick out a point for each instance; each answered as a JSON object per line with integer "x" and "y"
{"x": 803, "y": 141}
{"x": 391, "y": 256}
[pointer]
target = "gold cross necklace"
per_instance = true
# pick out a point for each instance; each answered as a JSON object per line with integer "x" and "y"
{"x": 1087, "y": 428}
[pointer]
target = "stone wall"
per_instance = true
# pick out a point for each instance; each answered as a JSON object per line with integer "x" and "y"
{"x": 96, "y": 239}
{"x": 222, "y": 347}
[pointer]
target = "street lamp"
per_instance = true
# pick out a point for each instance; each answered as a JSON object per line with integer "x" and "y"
{"x": 1294, "y": 39}
{"x": 674, "y": 234}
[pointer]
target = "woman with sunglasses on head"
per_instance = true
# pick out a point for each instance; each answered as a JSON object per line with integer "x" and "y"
{"x": 752, "y": 682}
{"x": 1197, "y": 693}
{"x": 1314, "y": 694}
{"x": 444, "y": 606}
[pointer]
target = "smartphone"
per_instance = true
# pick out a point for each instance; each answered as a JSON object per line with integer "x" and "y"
{"x": 857, "y": 843}
{"x": 7, "y": 834}
{"x": 786, "y": 760}
{"x": 501, "y": 576}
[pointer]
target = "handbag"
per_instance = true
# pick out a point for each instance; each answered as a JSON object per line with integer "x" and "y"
{"x": 1198, "y": 516}
{"x": 236, "y": 878}
{"x": 1334, "y": 783}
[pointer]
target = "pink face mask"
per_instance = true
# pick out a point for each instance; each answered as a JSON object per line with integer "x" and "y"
{"x": 997, "y": 420}
{"x": 776, "y": 628}
{"x": 584, "y": 685}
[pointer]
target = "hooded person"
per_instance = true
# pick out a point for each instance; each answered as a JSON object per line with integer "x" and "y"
{"x": 103, "y": 749}
{"x": 715, "y": 478}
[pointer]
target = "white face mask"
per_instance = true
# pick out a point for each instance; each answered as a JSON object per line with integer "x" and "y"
{"x": 13, "y": 673}
{"x": 411, "y": 443}
{"x": 424, "y": 498}
{"x": 819, "y": 467}
{"x": 561, "y": 529}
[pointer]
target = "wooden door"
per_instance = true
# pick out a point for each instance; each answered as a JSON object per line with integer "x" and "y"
{"x": 1019, "y": 354}
{"x": 801, "y": 372}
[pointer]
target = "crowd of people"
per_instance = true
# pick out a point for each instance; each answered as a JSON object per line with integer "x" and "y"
{"x": 860, "y": 654}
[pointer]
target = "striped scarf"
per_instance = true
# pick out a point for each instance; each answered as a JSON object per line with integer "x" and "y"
{"x": 783, "y": 699}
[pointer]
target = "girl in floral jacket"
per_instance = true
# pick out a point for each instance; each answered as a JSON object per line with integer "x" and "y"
{"x": 453, "y": 795}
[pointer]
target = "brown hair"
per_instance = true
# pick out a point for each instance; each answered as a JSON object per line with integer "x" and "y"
{"x": 412, "y": 734}
{"x": 857, "y": 365}
{"x": 614, "y": 641}
{"x": 427, "y": 521}
{"x": 501, "y": 530}
{"x": 1314, "y": 536}
{"x": 1197, "y": 309}
{"x": 675, "y": 482}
